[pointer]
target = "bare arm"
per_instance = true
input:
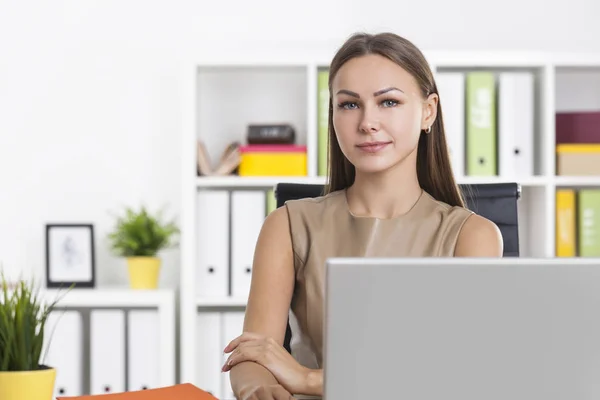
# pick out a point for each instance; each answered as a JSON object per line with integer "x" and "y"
{"x": 479, "y": 237}
{"x": 270, "y": 296}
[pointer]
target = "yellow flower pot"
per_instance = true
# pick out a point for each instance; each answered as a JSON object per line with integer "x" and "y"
{"x": 143, "y": 272}
{"x": 28, "y": 385}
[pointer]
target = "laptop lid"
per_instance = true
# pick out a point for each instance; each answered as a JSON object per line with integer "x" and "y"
{"x": 462, "y": 328}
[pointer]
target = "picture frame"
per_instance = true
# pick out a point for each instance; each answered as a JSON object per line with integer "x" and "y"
{"x": 70, "y": 255}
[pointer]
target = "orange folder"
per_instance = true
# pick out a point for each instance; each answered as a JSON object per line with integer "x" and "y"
{"x": 184, "y": 391}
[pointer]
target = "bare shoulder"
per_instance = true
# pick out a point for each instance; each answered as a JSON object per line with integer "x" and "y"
{"x": 276, "y": 224}
{"x": 479, "y": 237}
{"x": 274, "y": 245}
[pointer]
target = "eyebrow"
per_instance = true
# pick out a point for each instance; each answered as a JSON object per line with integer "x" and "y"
{"x": 377, "y": 93}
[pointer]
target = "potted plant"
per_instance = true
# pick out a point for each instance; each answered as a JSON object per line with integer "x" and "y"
{"x": 23, "y": 316}
{"x": 138, "y": 237}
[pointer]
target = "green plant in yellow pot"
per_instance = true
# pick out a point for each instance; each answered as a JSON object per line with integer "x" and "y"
{"x": 138, "y": 237}
{"x": 23, "y": 316}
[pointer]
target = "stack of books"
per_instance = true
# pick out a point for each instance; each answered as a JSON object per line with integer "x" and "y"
{"x": 272, "y": 151}
{"x": 578, "y": 143}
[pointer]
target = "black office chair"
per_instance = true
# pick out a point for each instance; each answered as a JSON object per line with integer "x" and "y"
{"x": 496, "y": 202}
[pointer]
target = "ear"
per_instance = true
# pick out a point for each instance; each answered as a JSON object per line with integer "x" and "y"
{"x": 429, "y": 111}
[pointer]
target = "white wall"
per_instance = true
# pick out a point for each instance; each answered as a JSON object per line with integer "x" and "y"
{"x": 90, "y": 102}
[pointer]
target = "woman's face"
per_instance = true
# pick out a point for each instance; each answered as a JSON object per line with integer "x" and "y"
{"x": 378, "y": 112}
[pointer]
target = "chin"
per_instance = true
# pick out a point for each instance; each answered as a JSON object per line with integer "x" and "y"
{"x": 373, "y": 165}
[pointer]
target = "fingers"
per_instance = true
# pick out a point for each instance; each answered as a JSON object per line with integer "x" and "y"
{"x": 244, "y": 353}
{"x": 244, "y": 337}
{"x": 263, "y": 350}
{"x": 277, "y": 393}
{"x": 270, "y": 393}
{"x": 262, "y": 396}
{"x": 281, "y": 394}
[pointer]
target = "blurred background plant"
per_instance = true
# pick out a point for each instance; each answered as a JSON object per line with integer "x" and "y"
{"x": 139, "y": 233}
{"x": 23, "y": 316}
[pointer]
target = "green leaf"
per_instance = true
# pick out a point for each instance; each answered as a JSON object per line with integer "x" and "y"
{"x": 140, "y": 233}
{"x": 23, "y": 317}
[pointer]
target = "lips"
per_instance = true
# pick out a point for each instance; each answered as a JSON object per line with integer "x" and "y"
{"x": 373, "y": 147}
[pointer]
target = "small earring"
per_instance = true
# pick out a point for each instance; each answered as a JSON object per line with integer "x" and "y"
{"x": 428, "y": 130}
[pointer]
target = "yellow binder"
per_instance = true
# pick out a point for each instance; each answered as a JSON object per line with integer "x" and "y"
{"x": 565, "y": 223}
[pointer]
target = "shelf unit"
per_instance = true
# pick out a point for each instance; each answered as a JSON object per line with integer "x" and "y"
{"x": 114, "y": 297}
{"x": 223, "y": 95}
{"x": 86, "y": 301}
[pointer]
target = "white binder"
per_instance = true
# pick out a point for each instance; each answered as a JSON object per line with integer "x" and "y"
{"x": 143, "y": 347}
{"x": 233, "y": 326}
{"x": 515, "y": 124}
{"x": 247, "y": 217}
{"x": 209, "y": 352}
{"x": 451, "y": 90}
{"x": 213, "y": 243}
{"x": 107, "y": 351}
{"x": 63, "y": 350}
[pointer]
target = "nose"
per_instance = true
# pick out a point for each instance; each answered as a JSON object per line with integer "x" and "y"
{"x": 369, "y": 122}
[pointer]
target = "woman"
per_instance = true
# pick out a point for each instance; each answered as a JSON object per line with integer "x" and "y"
{"x": 391, "y": 193}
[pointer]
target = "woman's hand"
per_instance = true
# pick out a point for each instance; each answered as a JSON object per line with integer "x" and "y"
{"x": 295, "y": 378}
{"x": 271, "y": 392}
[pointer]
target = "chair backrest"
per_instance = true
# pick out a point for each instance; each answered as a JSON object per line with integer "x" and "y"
{"x": 496, "y": 202}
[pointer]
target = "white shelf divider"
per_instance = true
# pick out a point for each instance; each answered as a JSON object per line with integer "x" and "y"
{"x": 110, "y": 297}
{"x": 222, "y": 302}
{"x": 253, "y": 182}
{"x": 311, "y": 116}
{"x": 578, "y": 181}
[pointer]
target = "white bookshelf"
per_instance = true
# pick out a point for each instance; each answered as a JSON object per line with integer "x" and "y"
{"x": 114, "y": 296}
{"x": 224, "y": 94}
{"x": 252, "y": 182}
{"x": 85, "y": 301}
{"x": 218, "y": 302}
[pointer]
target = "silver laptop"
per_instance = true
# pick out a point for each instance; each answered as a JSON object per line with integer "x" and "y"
{"x": 462, "y": 329}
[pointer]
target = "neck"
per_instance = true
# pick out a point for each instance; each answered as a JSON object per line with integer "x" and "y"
{"x": 386, "y": 194}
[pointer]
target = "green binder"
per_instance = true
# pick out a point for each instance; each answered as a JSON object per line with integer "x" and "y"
{"x": 589, "y": 222}
{"x": 481, "y": 124}
{"x": 323, "y": 120}
{"x": 271, "y": 201}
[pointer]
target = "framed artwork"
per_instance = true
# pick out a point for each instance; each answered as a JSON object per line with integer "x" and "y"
{"x": 70, "y": 257}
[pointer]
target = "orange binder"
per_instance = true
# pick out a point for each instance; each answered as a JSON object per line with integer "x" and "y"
{"x": 184, "y": 391}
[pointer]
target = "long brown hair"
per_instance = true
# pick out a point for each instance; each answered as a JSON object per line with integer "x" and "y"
{"x": 434, "y": 170}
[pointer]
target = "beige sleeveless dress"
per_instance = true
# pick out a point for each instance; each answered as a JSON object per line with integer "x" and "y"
{"x": 324, "y": 227}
